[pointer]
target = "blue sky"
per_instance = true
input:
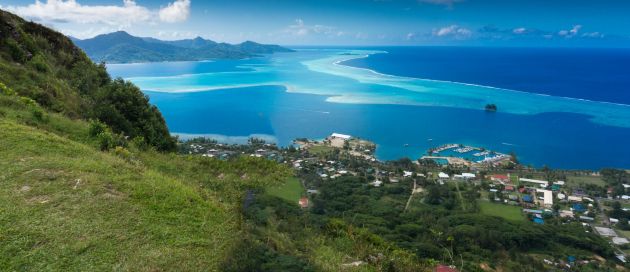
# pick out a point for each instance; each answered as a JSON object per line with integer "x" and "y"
{"x": 345, "y": 22}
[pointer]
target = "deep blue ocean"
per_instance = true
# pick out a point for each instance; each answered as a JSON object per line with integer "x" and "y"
{"x": 287, "y": 96}
{"x": 599, "y": 74}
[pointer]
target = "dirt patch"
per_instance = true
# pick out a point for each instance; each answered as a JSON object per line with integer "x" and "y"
{"x": 41, "y": 199}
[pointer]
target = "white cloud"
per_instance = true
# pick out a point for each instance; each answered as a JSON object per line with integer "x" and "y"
{"x": 453, "y": 31}
{"x": 71, "y": 11}
{"x": 593, "y": 35}
{"x": 571, "y": 32}
{"x": 301, "y": 29}
{"x": 519, "y": 30}
{"x": 177, "y": 11}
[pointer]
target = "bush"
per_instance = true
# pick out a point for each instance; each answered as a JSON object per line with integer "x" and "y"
{"x": 139, "y": 143}
{"x": 6, "y": 90}
{"x": 39, "y": 115}
{"x": 28, "y": 101}
{"x": 105, "y": 140}
{"x": 96, "y": 128}
{"x": 39, "y": 63}
{"x": 122, "y": 152}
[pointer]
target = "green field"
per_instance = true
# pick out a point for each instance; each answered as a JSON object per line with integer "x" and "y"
{"x": 508, "y": 212}
{"x": 574, "y": 180}
{"x": 291, "y": 190}
{"x": 320, "y": 149}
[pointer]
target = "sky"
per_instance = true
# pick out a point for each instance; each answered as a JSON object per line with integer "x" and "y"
{"x": 566, "y": 23}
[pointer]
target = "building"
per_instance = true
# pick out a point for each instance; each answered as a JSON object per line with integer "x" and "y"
{"x": 303, "y": 202}
{"x": 620, "y": 241}
{"x": 542, "y": 183}
{"x": 444, "y": 268}
{"x": 443, "y": 175}
{"x": 607, "y": 232}
{"x": 500, "y": 178}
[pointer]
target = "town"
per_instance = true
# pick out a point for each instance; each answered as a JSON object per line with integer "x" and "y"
{"x": 506, "y": 189}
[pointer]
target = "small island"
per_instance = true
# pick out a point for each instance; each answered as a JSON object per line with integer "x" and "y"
{"x": 491, "y": 107}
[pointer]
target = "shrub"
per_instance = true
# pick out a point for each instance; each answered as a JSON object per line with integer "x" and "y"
{"x": 96, "y": 128}
{"x": 6, "y": 90}
{"x": 105, "y": 140}
{"x": 39, "y": 114}
{"x": 28, "y": 101}
{"x": 39, "y": 63}
{"x": 122, "y": 152}
{"x": 139, "y": 143}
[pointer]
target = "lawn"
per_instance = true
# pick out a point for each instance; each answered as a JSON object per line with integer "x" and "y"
{"x": 508, "y": 212}
{"x": 575, "y": 180}
{"x": 320, "y": 149}
{"x": 291, "y": 190}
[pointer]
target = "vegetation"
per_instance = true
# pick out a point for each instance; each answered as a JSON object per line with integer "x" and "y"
{"x": 290, "y": 191}
{"x": 43, "y": 65}
{"x": 120, "y": 47}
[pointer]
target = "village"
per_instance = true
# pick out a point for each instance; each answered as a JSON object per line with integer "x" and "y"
{"x": 509, "y": 192}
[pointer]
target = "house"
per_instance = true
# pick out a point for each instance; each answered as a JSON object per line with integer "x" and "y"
{"x": 561, "y": 196}
{"x": 542, "y": 183}
{"x": 444, "y": 268}
{"x": 606, "y": 232}
{"x": 407, "y": 174}
{"x": 377, "y": 183}
{"x": 509, "y": 188}
{"x": 500, "y": 178}
{"x": 566, "y": 214}
{"x": 528, "y": 198}
{"x": 613, "y": 220}
{"x": 312, "y": 191}
{"x": 575, "y": 198}
{"x": 547, "y": 197}
{"x": 587, "y": 218}
{"x": 620, "y": 241}
{"x": 443, "y": 175}
{"x": 303, "y": 202}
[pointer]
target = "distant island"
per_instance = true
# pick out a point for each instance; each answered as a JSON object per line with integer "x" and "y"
{"x": 121, "y": 47}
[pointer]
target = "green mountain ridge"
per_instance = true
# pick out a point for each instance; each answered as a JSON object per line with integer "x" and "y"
{"x": 121, "y": 47}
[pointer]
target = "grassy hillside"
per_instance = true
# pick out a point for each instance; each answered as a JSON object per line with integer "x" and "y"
{"x": 45, "y": 65}
{"x": 65, "y": 205}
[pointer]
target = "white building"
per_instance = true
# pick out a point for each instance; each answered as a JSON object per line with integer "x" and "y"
{"x": 540, "y": 182}
{"x": 340, "y": 136}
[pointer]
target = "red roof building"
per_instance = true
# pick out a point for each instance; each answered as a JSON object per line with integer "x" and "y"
{"x": 303, "y": 202}
{"x": 509, "y": 188}
{"x": 444, "y": 268}
{"x": 500, "y": 178}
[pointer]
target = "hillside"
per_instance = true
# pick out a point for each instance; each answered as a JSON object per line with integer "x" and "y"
{"x": 121, "y": 47}
{"x": 44, "y": 65}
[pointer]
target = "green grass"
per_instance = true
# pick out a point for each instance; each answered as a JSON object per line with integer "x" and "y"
{"x": 575, "y": 180}
{"x": 320, "y": 149}
{"x": 66, "y": 206}
{"x": 291, "y": 190}
{"x": 508, "y": 212}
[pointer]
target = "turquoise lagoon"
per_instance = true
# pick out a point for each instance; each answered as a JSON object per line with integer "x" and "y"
{"x": 311, "y": 93}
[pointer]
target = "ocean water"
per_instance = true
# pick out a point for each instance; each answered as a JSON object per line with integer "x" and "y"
{"x": 312, "y": 93}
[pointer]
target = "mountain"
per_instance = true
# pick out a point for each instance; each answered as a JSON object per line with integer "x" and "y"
{"x": 121, "y": 47}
